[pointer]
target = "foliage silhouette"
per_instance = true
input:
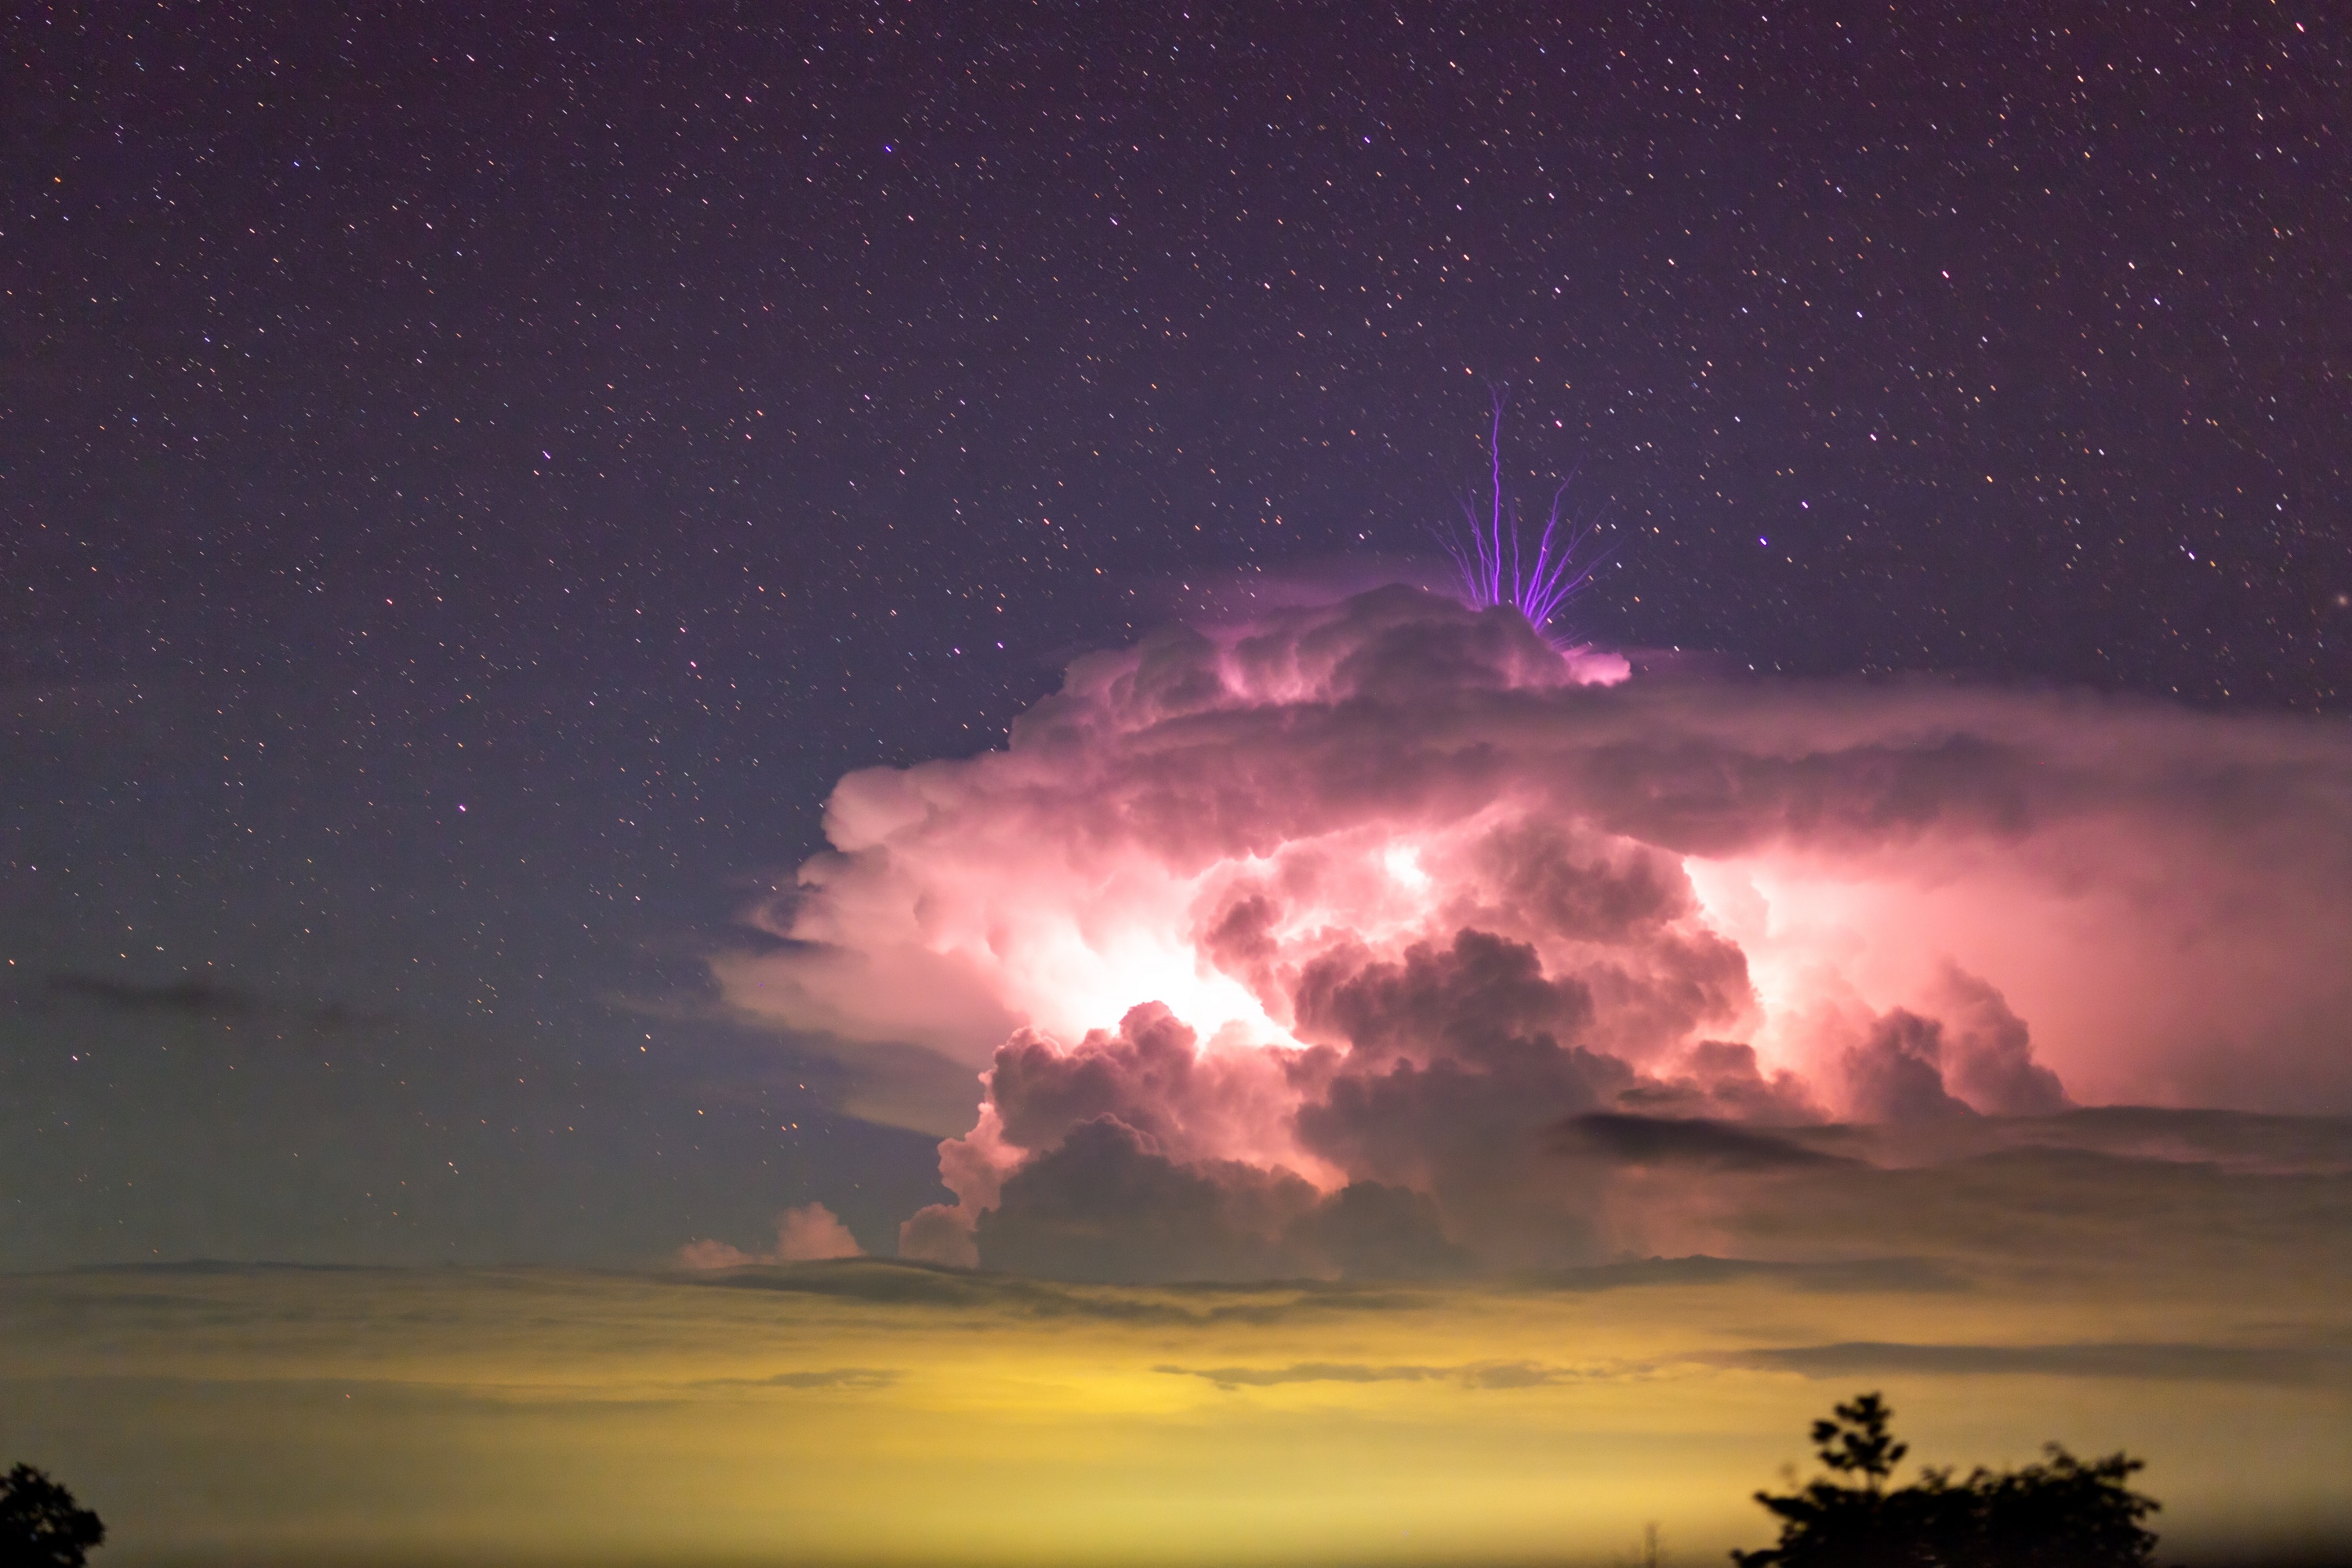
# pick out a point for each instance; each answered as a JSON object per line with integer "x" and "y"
{"x": 1857, "y": 1443}
{"x": 2062, "y": 1513}
{"x": 41, "y": 1526}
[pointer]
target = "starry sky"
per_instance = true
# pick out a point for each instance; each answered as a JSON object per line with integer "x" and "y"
{"x": 472, "y": 477}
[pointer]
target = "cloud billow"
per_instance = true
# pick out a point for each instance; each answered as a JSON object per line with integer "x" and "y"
{"x": 1384, "y": 938}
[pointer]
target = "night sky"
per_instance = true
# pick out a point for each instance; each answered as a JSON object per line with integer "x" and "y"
{"x": 471, "y": 478}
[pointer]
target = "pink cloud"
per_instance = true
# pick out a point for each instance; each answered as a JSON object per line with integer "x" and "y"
{"x": 1278, "y": 926}
{"x": 807, "y": 1234}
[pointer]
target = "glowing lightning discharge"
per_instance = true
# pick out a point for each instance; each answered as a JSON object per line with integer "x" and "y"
{"x": 1492, "y": 560}
{"x": 1298, "y": 947}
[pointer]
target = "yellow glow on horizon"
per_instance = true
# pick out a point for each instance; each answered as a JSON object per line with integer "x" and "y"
{"x": 868, "y": 1412}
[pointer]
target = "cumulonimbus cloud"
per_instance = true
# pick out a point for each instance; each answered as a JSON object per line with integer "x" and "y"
{"x": 1294, "y": 946}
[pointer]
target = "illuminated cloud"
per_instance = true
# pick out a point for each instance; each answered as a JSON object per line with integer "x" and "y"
{"x": 1330, "y": 944}
{"x": 808, "y": 1234}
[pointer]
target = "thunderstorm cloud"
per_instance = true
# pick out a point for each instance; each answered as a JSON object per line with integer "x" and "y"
{"x": 1385, "y": 939}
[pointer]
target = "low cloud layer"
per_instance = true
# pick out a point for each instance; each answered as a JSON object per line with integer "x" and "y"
{"x": 2139, "y": 1363}
{"x": 864, "y": 1410}
{"x": 1381, "y": 939}
{"x": 1477, "y": 1374}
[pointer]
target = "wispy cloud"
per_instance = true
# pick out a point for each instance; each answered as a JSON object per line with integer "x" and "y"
{"x": 1472, "y": 1375}
{"x": 2163, "y": 1362}
{"x": 852, "y": 1377}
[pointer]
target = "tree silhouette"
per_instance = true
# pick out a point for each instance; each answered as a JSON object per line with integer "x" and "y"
{"x": 2063, "y": 1513}
{"x": 41, "y": 1526}
{"x": 1857, "y": 1443}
